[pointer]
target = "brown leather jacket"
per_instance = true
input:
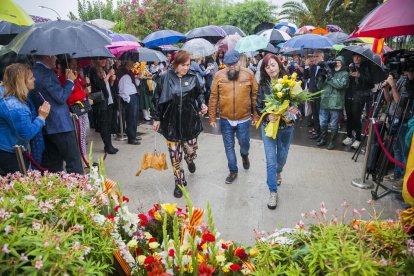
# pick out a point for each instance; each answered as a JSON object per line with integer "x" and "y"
{"x": 237, "y": 99}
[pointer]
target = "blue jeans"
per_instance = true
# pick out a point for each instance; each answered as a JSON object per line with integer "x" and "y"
{"x": 329, "y": 116}
{"x": 400, "y": 151}
{"x": 243, "y": 136}
{"x": 276, "y": 151}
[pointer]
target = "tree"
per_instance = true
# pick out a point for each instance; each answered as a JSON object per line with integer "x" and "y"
{"x": 144, "y": 17}
{"x": 206, "y": 12}
{"x": 248, "y": 14}
{"x": 89, "y": 9}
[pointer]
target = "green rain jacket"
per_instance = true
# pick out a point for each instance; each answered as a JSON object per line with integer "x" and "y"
{"x": 333, "y": 95}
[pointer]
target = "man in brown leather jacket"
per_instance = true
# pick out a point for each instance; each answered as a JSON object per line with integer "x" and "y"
{"x": 235, "y": 90}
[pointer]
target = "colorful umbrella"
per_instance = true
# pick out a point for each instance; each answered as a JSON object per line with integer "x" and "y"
{"x": 119, "y": 47}
{"x": 334, "y": 28}
{"x": 305, "y": 29}
{"x": 230, "y": 30}
{"x": 251, "y": 43}
{"x": 288, "y": 27}
{"x": 210, "y": 33}
{"x": 320, "y": 31}
{"x": 392, "y": 18}
{"x": 102, "y": 23}
{"x": 307, "y": 41}
{"x": 199, "y": 47}
{"x": 13, "y": 13}
{"x": 227, "y": 43}
{"x": 163, "y": 37}
{"x": 275, "y": 36}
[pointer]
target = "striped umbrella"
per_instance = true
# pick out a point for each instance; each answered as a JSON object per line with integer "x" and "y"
{"x": 305, "y": 29}
{"x": 274, "y": 35}
{"x": 288, "y": 27}
{"x": 334, "y": 28}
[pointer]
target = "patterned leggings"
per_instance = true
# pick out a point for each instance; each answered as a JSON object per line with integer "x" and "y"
{"x": 84, "y": 125}
{"x": 176, "y": 155}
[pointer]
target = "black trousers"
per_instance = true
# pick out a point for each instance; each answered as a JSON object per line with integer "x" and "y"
{"x": 9, "y": 164}
{"x": 353, "y": 109}
{"x": 105, "y": 122}
{"x": 131, "y": 117}
{"x": 61, "y": 147}
{"x": 316, "y": 106}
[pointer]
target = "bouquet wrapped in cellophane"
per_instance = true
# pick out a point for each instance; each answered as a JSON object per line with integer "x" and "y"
{"x": 287, "y": 94}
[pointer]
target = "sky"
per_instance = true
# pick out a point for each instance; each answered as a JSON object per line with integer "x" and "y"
{"x": 63, "y": 7}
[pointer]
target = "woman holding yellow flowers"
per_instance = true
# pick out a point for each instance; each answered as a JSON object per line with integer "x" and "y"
{"x": 277, "y": 119}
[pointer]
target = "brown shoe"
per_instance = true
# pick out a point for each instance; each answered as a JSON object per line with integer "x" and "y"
{"x": 231, "y": 178}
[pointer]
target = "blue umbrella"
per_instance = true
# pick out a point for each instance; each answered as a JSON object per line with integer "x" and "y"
{"x": 123, "y": 37}
{"x": 163, "y": 37}
{"x": 288, "y": 27}
{"x": 307, "y": 41}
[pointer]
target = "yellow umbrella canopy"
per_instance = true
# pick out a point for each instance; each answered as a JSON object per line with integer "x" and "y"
{"x": 13, "y": 13}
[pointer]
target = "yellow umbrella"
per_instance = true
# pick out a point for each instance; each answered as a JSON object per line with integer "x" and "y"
{"x": 13, "y": 13}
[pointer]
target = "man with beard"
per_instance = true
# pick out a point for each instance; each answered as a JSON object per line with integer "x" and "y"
{"x": 235, "y": 89}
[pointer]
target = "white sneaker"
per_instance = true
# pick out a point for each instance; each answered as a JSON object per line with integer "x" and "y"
{"x": 272, "y": 201}
{"x": 347, "y": 141}
{"x": 355, "y": 144}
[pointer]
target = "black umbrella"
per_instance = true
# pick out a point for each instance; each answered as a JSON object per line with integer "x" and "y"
{"x": 229, "y": 29}
{"x": 271, "y": 49}
{"x": 8, "y": 31}
{"x": 374, "y": 61}
{"x": 353, "y": 40}
{"x": 210, "y": 33}
{"x": 59, "y": 37}
{"x": 143, "y": 54}
{"x": 263, "y": 26}
{"x": 337, "y": 37}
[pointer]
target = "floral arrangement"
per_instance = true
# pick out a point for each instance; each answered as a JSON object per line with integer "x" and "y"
{"x": 169, "y": 240}
{"x": 140, "y": 70}
{"x": 222, "y": 66}
{"x": 287, "y": 93}
{"x": 43, "y": 218}
{"x": 333, "y": 246}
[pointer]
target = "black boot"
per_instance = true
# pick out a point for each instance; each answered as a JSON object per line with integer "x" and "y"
{"x": 177, "y": 191}
{"x": 331, "y": 144}
{"x": 322, "y": 140}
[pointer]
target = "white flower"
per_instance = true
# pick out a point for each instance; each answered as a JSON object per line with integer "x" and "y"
{"x": 153, "y": 245}
{"x": 39, "y": 263}
{"x": 5, "y": 248}
{"x": 141, "y": 259}
{"x": 132, "y": 243}
{"x": 36, "y": 225}
{"x": 8, "y": 229}
{"x": 30, "y": 198}
{"x": 99, "y": 219}
{"x": 220, "y": 258}
{"x": 279, "y": 86}
{"x": 23, "y": 257}
{"x": 46, "y": 244}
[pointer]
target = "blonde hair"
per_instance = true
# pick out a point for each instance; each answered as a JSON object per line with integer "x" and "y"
{"x": 243, "y": 60}
{"x": 14, "y": 79}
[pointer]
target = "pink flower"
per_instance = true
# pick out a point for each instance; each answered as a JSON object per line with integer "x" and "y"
{"x": 345, "y": 204}
{"x": 46, "y": 244}
{"x": 303, "y": 215}
{"x": 23, "y": 257}
{"x": 5, "y": 248}
{"x": 384, "y": 262}
{"x": 300, "y": 225}
{"x": 324, "y": 210}
{"x": 313, "y": 213}
{"x": 155, "y": 26}
{"x": 39, "y": 263}
{"x": 362, "y": 210}
{"x": 36, "y": 225}
{"x": 355, "y": 212}
{"x": 370, "y": 202}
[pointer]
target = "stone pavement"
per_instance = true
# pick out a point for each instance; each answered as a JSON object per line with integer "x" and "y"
{"x": 311, "y": 175}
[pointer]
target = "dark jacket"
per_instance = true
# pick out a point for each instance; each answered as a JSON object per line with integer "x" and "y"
{"x": 360, "y": 88}
{"x": 48, "y": 84}
{"x": 97, "y": 85}
{"x": 176, "y": 104}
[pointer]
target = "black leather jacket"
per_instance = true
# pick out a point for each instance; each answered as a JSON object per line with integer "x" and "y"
{"x": 359, "y": 89}
{"x": 176, "y": 105}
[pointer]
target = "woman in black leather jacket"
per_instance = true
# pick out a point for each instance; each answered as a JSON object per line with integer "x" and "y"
{"x": 177, "y": 99}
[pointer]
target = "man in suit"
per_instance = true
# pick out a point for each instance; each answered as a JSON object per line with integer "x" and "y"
{"x": 59, "y": 134}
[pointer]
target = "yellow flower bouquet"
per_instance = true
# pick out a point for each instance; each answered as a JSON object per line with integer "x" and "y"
{"x": 287, "y": 92}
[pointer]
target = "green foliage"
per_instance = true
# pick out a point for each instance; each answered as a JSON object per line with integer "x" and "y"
{"x": 206, "y": 12}
{"x": 48, "y": 225}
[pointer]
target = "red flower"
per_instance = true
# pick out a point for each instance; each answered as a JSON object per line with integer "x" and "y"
{"x": 204, "y": 270}
{"x": 224, "y": 246}
{"x": 143, "y": 220}
{"x": 241, "y": 253}
{"x": 235, "y": 267}
{"x": 125, "y": 199}
{"x": 110, "y": 217}
{"x": 152, "y": 239}
{"x": 117, "y": 208}
{"x": 199, "y": 247}
{"x": 149, "y": 260}
{"x": 171, "y": 253}
{"x": 208, "y": 237}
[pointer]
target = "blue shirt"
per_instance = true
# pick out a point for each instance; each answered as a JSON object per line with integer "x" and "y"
{"x": 16, "y": 125}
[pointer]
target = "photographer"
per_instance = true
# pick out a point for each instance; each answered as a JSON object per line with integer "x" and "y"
{"x": 358, "y": 93}
{"x": 332, "y": 100}
{"x": 400, "y": 94}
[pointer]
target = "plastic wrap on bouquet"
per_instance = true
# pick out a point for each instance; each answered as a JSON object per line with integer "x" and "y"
{"x": 154, "y": 160}
{"x": 272, "y": 127}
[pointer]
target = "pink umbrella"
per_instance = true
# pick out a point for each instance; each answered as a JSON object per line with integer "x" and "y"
{"x": 392, "y": 18}
{"x": 305, "y": 29}
{"x": 334, "y": 28}
{"x": 119, "y": 47}
{"x": 227, "y": 43}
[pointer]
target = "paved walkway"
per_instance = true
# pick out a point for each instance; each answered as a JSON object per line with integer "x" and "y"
{"x": 311, "y": 175}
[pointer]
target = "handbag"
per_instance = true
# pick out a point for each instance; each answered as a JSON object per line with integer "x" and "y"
{"x": 80, "y": 108}
{"x": 97, "y": 96}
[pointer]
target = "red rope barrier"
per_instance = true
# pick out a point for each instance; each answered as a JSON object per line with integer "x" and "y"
{"x": 396, "y": 162}
{"x": 37, "y": 165}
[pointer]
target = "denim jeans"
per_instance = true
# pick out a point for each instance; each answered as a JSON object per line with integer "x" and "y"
{"x": 276, "y": 151}
{"x": 400, "y": 151}
{"x": 243, "y": 136}
{"x": 329, "y": 116}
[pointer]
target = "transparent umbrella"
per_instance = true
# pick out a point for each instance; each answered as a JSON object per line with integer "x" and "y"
{"x": 199, "y": 47}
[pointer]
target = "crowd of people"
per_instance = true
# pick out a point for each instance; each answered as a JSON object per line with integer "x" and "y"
{"x": 36, "y": 105}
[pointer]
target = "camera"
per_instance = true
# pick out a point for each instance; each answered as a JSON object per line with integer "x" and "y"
{"x": 328, "y": 67}
{"x": 396, "y": 62}
{"x": 352, "y": 67}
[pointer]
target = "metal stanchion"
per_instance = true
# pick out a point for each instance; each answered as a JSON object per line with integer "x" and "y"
{"x": 20, "y": 159}
{"x": 121, "y": 136}
{"x": 363, "y": 182}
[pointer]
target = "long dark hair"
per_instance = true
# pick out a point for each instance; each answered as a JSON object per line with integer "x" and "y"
{"x": 264, "y": 77}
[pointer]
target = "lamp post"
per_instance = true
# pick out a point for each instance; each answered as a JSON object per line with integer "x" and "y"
{"x": 58, "y": 15}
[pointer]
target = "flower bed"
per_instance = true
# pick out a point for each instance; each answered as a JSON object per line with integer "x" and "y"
{"x": 49, "y": 224}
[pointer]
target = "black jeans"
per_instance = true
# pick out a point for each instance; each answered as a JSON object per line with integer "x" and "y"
{"x": 61, "y": 147}
{"x": 316, "y": 106}
{"x": 131, "y": 117}
{"x": 105, "y": 122}
{"x": 353, "y": 109}
{"x": 9, "y": 164}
